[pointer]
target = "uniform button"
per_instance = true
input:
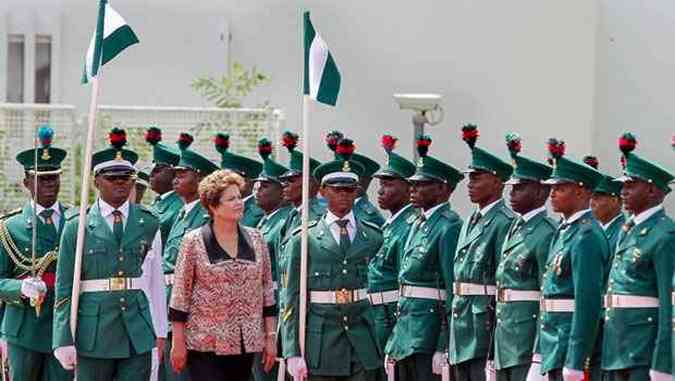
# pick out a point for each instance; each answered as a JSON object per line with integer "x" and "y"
{"x": 344, "y": 262}
{"x": 120, "y": 273}
{"x": 534, "y": 316}
{"x": 344, "y": 271}
{"x": 120, "y": 251}
{"x": 455, "y": 315}
{"x": 316, "y": 274}
{"x": 346, "y": 328}
{"x": 649, "y": 319}
{"x": 122, "y": 300}
{"x": 499, "y": 320}
{"x": 121, "y": 258}
{"x": 344, "y": 318}
{"x": 123, "y": 308}
{"x": 607, "y": 318}
{"x": 609, "y": 288}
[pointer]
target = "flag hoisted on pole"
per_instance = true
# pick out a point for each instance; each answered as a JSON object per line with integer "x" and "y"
{"x": 111, "y": 37}
{"x": 322, "y": 84}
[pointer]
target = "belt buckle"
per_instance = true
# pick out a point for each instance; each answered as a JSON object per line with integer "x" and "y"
{"x": 457, "y": 288}
{"x": 344, "y": 296}
{"x": 608, "y": 301}
{"x": 117, "y": 284}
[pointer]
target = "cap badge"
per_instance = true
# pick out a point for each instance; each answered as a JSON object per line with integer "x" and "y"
{"x": 118, "y": 156}
{"x": 346, "y": 167}
{"x": 45, "y": 154}
{"x": 420, "y": 162}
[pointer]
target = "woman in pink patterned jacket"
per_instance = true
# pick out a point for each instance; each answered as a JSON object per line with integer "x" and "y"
{"x": 222, "y": 308}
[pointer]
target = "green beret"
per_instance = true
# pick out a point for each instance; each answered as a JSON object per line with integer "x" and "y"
{"x": 397, "y": 166}
{"x": 48, "y": 158}
{"x": 482, "y": 160}
{"x": 431, "y": 169}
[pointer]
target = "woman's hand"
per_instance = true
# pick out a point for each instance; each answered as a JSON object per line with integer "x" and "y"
{"x": 269, "y": 355}
{"x": 160, "y": 343}
{"x": 178, "y": 354}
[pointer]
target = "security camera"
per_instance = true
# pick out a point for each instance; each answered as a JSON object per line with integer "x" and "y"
{"x": 418, "y": 102}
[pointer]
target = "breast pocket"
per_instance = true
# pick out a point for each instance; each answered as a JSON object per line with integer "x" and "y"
{"x": 94, "y": 263}
{"x": 321, "y": 279}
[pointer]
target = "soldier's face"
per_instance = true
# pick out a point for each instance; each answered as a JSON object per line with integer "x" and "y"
{"x": 524, "y": 196}
{"x": 161, "y": 178}
{"x": 426, "y": 194}
{"x": 393, "y": 193}
{"x": 636, "y": 195}
{"x": 186, "y": 183}
{"x": 48, "y": 188}
{"x": 605, "y": 207}
{"x": 114, "y": 190}
{"x": 483, "y": 186}
{"x": 339, "y": 199}
{"x": 267, "y": 195}
{"x": 292, "y": 189}
{"x": 564, "y": 198}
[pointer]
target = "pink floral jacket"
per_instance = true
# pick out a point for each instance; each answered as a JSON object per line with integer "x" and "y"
{"x": 223, "y": 301}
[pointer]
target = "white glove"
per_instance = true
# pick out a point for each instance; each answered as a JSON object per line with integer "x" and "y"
{"x": 67, "y": 356}
{"x": 573, "y": 374}
{"x": 389, "y": 365}
{"x": 490, "y": 372}
{"x": 297, "y": 367}
{"x": 33, "y": 288}
{"x": 3, "y": 349}
{"x": 438, "y": 361}
{"x": 535, "y": 373}
{"x": 655, "y": 375}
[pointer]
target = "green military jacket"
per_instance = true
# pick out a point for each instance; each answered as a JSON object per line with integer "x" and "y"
{"x": 340, "y": 338}
{"x": 643, "y": 265}
{"x": 114, "y": 324}
{"x": 364, "y": 210}
{"x": 612, "y": 233}
{"x": 427, "y": 261}
{"x": 521, "y": 267}
{"x": 383, "y": 268}
{"x": 476, "y": 262}
{"x": 574, "y": 270}
{"x": 252, "y": 212}
{"x": 270, "y": 226}
{"x": 167, "y": 208}
{"x": 21, "y": 326}
{"x": 183, "y": 224}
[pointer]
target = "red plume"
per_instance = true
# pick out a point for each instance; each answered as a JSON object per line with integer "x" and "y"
{"x": 389, "y": 142}
{"x": 345, "y": 148}
{"x": 627, "y": 143}
{"x": 470, "y": 134}
{"x": 264, "y": 148}
{"x": 333, "y": 139}
{"x": 117, "y": 137}
{"x": 222, "y": 142}
{"x": 153, "y": 135}
{"x": 556, "y": 149}
{"x": 423, "y": 143}
{"x": 591, "y": 161}
{"x": 289, "y": 140}
{"x": 184, "y": 140}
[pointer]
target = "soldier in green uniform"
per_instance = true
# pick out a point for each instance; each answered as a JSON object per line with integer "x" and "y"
{"x": 341, "y": 342}
{"x": 574, "y": 280}
{"x": 364, "y": 210}
{"x": 606, "y": 205}
{"x": 476, "y": 260}
{"x": 168, "y": 203}
{"x": 115, "y": 333}
{"x": 269, "y": 197}
{"x": 27, "y": 328}
{"x": 249, "y": 169}
{"x": 637, "y": 337}
{"x": 190, "y": 170}
{"x": 140, "y": 186}
{"x": 521, "y": 266}
{"x": 418, "y": 343}
{"x": 394, "y": 196}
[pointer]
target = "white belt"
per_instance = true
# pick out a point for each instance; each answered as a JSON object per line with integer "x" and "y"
{"x": 630, "y": 301}
{"x": 557, "y": 305}
{"x": 422, "y": 292}
{"x": 672, "y": 297}
{"x": 383, "y": 297}
{"x": 505, "y": 295}
{"x": 111, "y": 284}
{"x": 169, "y": 279}
{"x": 469, "y": 289}
{"x": 343, "y": 296}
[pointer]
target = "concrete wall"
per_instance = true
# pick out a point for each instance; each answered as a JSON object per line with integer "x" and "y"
{"x": 541, "y": 68}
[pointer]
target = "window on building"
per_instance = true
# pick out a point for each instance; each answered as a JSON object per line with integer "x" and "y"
{"x": 15, "y": 68}
{"x": 43, "y": 65}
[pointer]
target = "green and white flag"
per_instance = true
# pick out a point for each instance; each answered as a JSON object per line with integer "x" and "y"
{"x": 322, "y": 78}
{"x": 112, "y": 35}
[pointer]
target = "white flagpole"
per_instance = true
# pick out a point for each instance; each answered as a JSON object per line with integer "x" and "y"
{"x": 84, "y": 200}
{"x": 304, "y": 253}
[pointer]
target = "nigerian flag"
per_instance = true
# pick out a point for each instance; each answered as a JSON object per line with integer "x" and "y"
{"x": 112, "y": 35}
{"x": 322, "y": 78}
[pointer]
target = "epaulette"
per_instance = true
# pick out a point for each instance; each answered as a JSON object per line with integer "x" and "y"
{"x": 147, "y": 210}
{"x": 310, "y": 224}
{"x": 372, "y": 225}
{"x": 11, "y": 213}
{"x": 507, "y": 212}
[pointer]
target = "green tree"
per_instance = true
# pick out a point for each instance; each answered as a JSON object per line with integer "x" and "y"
{"x": 229, "y": 90}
